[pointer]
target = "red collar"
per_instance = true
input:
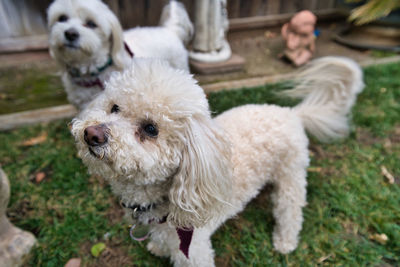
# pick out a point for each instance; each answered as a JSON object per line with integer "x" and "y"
{"x": 96, "y": 81}
{"x": 89, "y": 83}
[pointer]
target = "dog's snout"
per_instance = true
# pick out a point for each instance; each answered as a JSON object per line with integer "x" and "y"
{"x": 95, "y": 135}
{"x": 71, "y": 34}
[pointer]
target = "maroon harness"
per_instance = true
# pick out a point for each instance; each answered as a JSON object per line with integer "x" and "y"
{"x": 185, "y": 237}
{"x": 128, "y": 50}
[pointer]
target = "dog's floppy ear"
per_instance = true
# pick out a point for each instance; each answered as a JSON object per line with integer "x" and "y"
{"x": 202, "y": 187}
{"x": 118, "y": 53}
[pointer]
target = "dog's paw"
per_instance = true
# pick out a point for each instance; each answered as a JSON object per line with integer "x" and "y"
{"x": 284, "y": 245}
{"x": 155, "y": 249}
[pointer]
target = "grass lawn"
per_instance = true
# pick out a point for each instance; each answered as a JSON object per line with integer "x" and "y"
{"x": 350, "y": 201}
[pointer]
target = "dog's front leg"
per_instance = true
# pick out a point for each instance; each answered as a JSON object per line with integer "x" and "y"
{"x": 160, "y": 237}
{"x": 289, "y": 197}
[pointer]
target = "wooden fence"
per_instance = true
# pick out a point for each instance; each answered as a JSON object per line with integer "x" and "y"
{"x": 243, "y": 14}
{"x": 147, "y": 12}
{"x": 251, "y": 8}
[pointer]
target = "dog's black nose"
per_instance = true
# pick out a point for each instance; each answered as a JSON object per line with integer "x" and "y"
{"x": 95, "y": 135}
{"x": 71, "y": 34}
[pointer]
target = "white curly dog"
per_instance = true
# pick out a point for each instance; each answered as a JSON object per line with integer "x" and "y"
{"x": 87, "y": 41}
{"x": 151, "y": 136}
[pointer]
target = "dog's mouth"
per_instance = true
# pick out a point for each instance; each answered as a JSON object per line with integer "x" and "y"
{"x": 71, "y": 46}
{"x": 97, "y": 152}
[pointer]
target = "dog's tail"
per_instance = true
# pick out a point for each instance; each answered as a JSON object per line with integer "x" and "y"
{"x": 329, "y": 88}
{"x": 175, "y": 18}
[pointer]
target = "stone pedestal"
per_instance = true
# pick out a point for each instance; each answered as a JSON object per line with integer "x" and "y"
{"x": 15, "y": 244}
{"x": 211, "y": 24}
{"x": 234, "y": 63}
{"x": 211, "y": 52}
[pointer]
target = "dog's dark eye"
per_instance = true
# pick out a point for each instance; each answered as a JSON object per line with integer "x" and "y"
{"x": 150, "y": 130}
{"x": 90, "y": 24}
{"x": 115, "y": 109}
{"x": 62, "y": 18}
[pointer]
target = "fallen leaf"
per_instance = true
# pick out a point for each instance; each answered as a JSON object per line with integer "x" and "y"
{"x": 97, "y": 249}
{"x": 39, "y": 177}
{"x": 323, "y": 258}
{"x": 35, "y": 140}
{"x": 380, "y": 238}
{"x": 387, "y": 174}
{"x": 74, "y": 262}
{"x": 314, "y": 169}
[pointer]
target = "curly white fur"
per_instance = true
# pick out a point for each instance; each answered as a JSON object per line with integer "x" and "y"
{"x": 198, "y": 170}
{"x": 328, "y": 87}
{"x": 95, "y": 46}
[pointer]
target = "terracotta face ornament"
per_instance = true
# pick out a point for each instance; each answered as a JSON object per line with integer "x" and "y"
{"x": 299, "y": 36}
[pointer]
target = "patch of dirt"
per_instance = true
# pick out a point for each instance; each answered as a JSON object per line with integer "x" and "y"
{"x": 395, "y": 135}
{"x": 388, "y": 262}
{"x": 115, "y": 213}
{"x": 239, "y": 223}
{"x": 329, "y": 153}
{"x": 23, "y": 209}
{"x": 365, "y": 137}
{"x": 224, "y": 261}
{"x": 350, "y": 227}
{"x": 317, "y": 151}
{"x": 97, "y": 180}
{"x": 113, "y": 255}
{"x": 263, "y": 200}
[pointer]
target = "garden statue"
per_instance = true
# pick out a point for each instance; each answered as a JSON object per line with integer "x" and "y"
{"x": 299, "y": 36}
{"x": 211, "y": 24}
{"x": 15, "y": 244}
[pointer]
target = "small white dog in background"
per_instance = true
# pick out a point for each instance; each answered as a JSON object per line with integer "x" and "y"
{"x": 151, "y": 136}
{"x": 87, "y": 41}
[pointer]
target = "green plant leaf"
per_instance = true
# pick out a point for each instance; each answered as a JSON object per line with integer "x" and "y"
{"x": 372, "y": 10}
{"x": 97, "y": 249}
